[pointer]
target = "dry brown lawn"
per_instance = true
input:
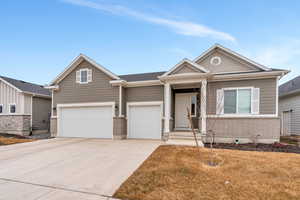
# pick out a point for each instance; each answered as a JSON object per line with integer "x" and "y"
{"x": 182, "y": 173}
{"x": 12, "y": 140}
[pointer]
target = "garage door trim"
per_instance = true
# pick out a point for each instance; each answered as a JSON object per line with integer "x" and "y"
{"x": 79, "y": 105}
{"x": 144, "y": 103}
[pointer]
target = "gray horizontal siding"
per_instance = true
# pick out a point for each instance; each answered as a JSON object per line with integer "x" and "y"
{"x": 142, "y": 94}
{"x": 229, "y": 63}
{"x": 99, "y": 90}
{"x": 41, "y": 109}
{"x": 267, "y": 93}
{"x": 291, "y": 103}
{"x": 149, "y": 93}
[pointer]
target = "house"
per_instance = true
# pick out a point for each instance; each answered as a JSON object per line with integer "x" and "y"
{"x": 24, "y": 107}
{"x": 227, "y": 94}
{"x": 289, "y": 107}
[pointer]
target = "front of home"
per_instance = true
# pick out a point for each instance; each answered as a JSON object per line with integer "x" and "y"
{"x": 228, "y": 95}
{"x": 24, "y": 107}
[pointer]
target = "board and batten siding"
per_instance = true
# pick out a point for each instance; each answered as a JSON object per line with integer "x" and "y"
{"x": 288, "y": 103}
{"x": 267, "y": 93}
{"x": 9, "y": 95}
{"x": 99, "y": 90}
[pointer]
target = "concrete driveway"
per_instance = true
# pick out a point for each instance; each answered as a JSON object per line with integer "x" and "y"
{"x": 69, "y": 168}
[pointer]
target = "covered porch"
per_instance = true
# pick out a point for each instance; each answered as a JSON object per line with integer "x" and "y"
{"x": 181, "y": 96}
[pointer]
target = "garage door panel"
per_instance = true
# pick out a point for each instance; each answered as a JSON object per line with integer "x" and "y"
{"x": 145, "y": 122}
{"x": 87, "y": 122}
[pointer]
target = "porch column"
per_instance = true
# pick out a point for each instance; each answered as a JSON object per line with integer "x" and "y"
{"x": 167, "y": 98}
{"x": 120, "y": 101}
{"x": 203, "y": 106}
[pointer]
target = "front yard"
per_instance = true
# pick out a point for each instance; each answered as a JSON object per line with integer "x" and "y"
{"x": 6, "y": 139}
{"x": 182, "y": 173}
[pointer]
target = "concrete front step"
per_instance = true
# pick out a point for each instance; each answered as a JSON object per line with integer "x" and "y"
{"x": 183, "y": 133}
{"x": 184, "y": 137}
{"x": 184, "y": 142}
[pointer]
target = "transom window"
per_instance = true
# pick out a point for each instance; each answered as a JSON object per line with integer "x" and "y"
{"x": 237, "y": 101}
{"x": 12, "y": 108}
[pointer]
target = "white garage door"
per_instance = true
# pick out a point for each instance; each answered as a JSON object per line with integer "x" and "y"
{"x": 144, "y": 121}
{"x": 86, "y": 122}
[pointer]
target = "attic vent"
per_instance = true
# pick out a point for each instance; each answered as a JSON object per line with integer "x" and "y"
{"x": 216, "y": 60}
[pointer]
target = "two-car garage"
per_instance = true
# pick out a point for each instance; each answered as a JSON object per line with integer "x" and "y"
{"x": 95, "y": 120}
{"x": 92, "y": 120}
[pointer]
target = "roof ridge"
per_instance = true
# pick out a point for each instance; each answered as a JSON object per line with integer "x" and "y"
{"x": 142, "y": 73}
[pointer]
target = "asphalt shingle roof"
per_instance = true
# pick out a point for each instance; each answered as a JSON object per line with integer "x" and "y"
{"x": 27, "y": 87}
{"x": 142, "y": 77}
{"x": 290, "y": 87}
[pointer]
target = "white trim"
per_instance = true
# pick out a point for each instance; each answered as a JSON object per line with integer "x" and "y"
{"x": 204, "y": 54}
{"x": 31, "y": 103}
{"x": 277, "y": 95}
{"x": 1, "y": 105}
{"x": 242, "y": 116}
{"x": 185, "y": 60}
{"x": 74, "y": 105}
{"x": 203, "y": 104}
{"x": 76, "y": 62}
{"x": 80, "y": 80}
{"x": 120, "y": 101}
{"x": 143, "y": 83}
{"x": 213, "y": 58}
{"x": 253, "y": 75}
{"x": 53, "y": 87}
{"x": 13, "y": 114}
{"x": 90, "y": 104}
{"x": 11, "y": 85}
{"x": 167, "y": 100}
{"x": 52, "y": 104}
{"x": 144, "y": 103}
{"x": 12, "y": 104}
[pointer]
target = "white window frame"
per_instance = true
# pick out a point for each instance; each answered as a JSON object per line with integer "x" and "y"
{"x": 1, "y": 105}
{"x": 237, "y": 100}
{"x": 87, "y": 72}
{"x": 12, "y": 104}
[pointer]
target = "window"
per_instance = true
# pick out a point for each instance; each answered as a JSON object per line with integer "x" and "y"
{"x": 1, "y": 108}
{"x": 237, "y": 101}
{"x": 84, "y": 76}
{"x": 12, "y": 108}
{"x": 193, "y": 105}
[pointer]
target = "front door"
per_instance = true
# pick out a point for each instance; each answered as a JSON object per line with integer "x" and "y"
{"x": 182, "y": 102}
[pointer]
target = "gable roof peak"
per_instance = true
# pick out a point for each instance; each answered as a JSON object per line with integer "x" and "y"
{"x": 186, "y": 60}
{"x": 76, "y": 62}
{"x": 227, "y": 50}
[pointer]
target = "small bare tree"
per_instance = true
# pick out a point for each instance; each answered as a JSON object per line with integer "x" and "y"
{"x": 192, "y": 126}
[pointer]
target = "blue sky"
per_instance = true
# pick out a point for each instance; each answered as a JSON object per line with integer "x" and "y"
{"x": 38, "y": 39}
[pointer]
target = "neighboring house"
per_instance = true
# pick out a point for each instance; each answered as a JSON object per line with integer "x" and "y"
{"x": 228, "y": 94}
{"x": 23, "y": 107}
{"x": 289, "y": 107}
